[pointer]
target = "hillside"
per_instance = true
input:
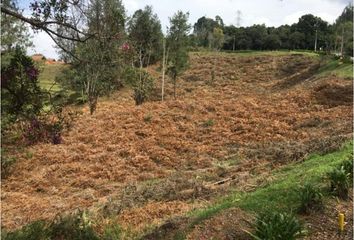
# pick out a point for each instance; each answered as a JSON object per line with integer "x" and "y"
{"x": 147, "y": 164}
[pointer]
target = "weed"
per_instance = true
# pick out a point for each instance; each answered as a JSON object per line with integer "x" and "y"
{"x": 112, "y": 232}
{"x": 6, "y": 164}
{"x": 339, "y": 182}
{"x": 76, "y": 227}
{"x": 311, "y": 198}
{"x": 148, "y": 118}
{"x": 277, "y": 226}
{"x": 348, "y": 166}
{"x": 208, "y": 123}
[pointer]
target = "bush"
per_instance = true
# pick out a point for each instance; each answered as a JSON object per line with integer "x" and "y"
{"x": 311, "y": 199}
{"x": 34, "y": 231}
{"x": 112, "y": 232}
{"x": 141, "y": 82}
{"x": 74, "y": 227}
{"x": 348, "y": 167}
{"x": 6, "y": 164}
{"x": 340, "y": 182}
{"x": 277, "y": 226}
{"x": 48, "y": 128}
{"x": 21, "y": 95}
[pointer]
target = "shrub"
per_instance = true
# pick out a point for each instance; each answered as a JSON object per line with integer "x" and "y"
{"x": 74, "y": 227}
{"x": 141, "y": 82}
{"x": 34, "y": 231}
{"x": 6, "y": 165}
{"x": 348, "y": 167}
{"x": 112, "y": 232}
{"x": 340, "y": 182}
{"x": 311, "y": 198}
{"x": 21, "y": 95}
{"x": 277, "y": 226}
{"x": 48, "y": 128}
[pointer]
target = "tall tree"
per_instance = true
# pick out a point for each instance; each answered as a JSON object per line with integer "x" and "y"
{"x": 203, "y": 28}
{"x": 177, "y": 40}
{"x": 146, "y": 35}
{"x": 343, "y": 29}
{"x": 97, "y": 69}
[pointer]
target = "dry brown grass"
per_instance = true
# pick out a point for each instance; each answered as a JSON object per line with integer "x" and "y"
{"x": 116, "y": 147}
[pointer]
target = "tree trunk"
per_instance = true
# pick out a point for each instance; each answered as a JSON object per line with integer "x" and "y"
{"x": 175, "y": 86}
{"x": 342, "y": 44}
{"x": 163, "y": 69}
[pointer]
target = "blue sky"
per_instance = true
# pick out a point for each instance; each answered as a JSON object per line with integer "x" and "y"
{"x": 269, "y": 12}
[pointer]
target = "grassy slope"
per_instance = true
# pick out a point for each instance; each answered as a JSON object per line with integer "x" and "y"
{"x": 281, "y": 194}
{"x": 249, "y": 53}
{"x": 47, "y": 76}
{"x": 337, "y": 68}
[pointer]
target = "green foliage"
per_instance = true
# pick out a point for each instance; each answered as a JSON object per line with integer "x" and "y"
{"x": 112, "y": 232}
{"x": 35, "y": 231}
{"x": 348, "y": 166}
{"x": 343, "y": 30}
{"x": 177, "y": 40}
{"x": 75, "y": 227}
{"x": 14, "y": 32}
{"x": 216, "y": 38}
{"x": 141, "y": 82}
{"x": 282, "y": 193}
{"x": 97, "y": 68}
{"x": 204, "y": 27}
{"x": 277, "y": 226}
{"x": 340, "y": 182}
{"x": 21, "y": 94}
{"x": 208, "y": 123}
{"x": 334, "y": 66}
{"x": 311, "y": 198}
{"x": 7, "y": 163}
{"x": 146, "y": 35}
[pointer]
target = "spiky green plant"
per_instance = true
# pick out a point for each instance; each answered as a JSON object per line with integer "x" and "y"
{"x": 277, "y": 226}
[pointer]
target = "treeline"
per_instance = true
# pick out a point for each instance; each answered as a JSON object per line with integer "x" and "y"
{"x": 310, "y": 32}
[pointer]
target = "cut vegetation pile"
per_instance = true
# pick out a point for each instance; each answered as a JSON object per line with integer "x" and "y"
{"x": 146, "y": 164}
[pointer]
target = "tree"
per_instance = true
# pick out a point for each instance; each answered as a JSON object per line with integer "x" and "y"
{"x": 312, "y": 26}
{"x": 14, "y": 33}
{"x": 177, "y": 39}
{"x": 146, "y": 35}
{"x": 257, "y": 34}
{"x": 216, "y": 38}
{"x": 297, "y": 40}
{"x": 272, "y": 42}
{"x": 202, "y": 29}
{"x": 343, "y": 29}
{"x": 20, "y": 92}
{"x": 97, "y": 68}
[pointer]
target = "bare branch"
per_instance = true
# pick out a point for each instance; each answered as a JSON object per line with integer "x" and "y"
{"x": 44, "y": 25}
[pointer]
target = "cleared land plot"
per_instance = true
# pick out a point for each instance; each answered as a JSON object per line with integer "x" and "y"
{"x": 153, "y": 162}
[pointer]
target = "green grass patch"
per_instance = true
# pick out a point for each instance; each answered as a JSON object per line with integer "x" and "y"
{"x": 250, "y": 53}
{"x": 282, "y": 194}
{"x": 47, "y": 75}
{"x": 332, "y": 66}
